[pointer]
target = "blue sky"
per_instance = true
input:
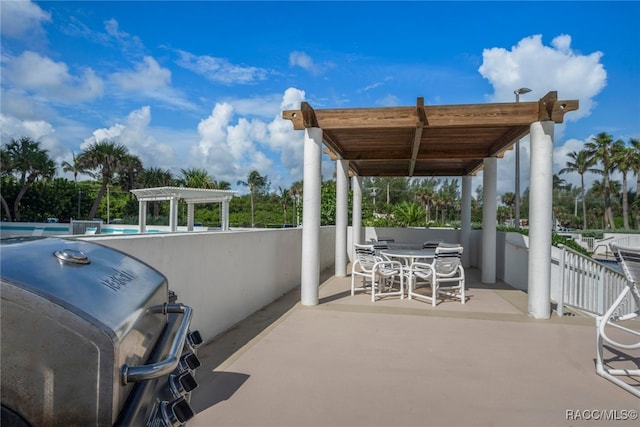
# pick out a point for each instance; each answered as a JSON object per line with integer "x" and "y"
{"x": 202, "y": 84}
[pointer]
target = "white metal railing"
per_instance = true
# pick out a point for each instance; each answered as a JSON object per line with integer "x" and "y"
{"x": 587, "y": 284}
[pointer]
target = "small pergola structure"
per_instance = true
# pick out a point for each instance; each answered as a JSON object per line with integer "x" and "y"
{"x": 191, "y": 196}
{"x": 448, "y": 140}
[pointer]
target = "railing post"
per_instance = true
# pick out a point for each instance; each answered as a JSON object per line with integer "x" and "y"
{"x": 601, "y": 291}
{"x": 562, "y": 273}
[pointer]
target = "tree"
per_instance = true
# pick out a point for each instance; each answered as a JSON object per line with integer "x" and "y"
{"x": 30, "y": 162}
{"x": 296, "y": 193}
{"x": 195, "y": 178}
{"x": 128, "y": 173}
{"x": 425, "y": 193}
{"x": 601, "y": 147}
{"x": 635, "y": 164}
{"x": 509, "y": 200}
{"x": 75, "y": 166}
{"x": 622, "y": 158}
{"x": 104, "y": 159}
{"x": 582, "y": 163}
{"x": 156, "y": 177}
{"x": 408, "y": 213}
{"x": 285, "y": 197}
{"x": 255, "y": 182}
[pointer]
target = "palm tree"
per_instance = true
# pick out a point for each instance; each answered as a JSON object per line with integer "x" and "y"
{"x": 448, "y": 195}
{"x": 195, "y": 178}
{"x": 425, "y": 194}
{"x": 74, "y": 167}
{"x": 156, "y": 177}
{"x": 254, "y": 181}
{"x": 623, "y": 158}
{"x": 296, "y": 193}
{"x": 130, "y": 169}
{"x": 582, "y": 163}
{"x": 285, "y": 197}
{"x": 30, "y": 162}
{"x": 601, "y": 147}
{"x": 509, "y": 200}
{"x": 408, "y": 213}
{"x": 104, "y": 159}
{"x": 635, "y": 165}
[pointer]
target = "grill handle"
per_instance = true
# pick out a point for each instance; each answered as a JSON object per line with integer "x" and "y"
{"x": 154, "y": 370}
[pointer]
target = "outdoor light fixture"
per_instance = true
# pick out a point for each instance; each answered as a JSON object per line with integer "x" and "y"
{"x": 521, "y": 91}
{"x": 518, "y": 92}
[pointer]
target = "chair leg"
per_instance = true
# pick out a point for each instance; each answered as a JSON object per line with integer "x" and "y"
{"x": 434, "y": 292}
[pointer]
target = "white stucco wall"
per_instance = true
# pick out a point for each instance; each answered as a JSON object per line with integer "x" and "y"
{"x": 225, "y": 276}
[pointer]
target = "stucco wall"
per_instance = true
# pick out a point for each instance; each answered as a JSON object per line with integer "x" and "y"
{"x": 225, "y": 276}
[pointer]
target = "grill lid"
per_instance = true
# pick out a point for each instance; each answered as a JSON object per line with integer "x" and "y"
{"x": 99, "y": 283}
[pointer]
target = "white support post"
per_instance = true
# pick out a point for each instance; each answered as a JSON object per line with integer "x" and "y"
{"x": 142, "y": 216}
{"x": 489, "y": 215}
{"x": 191, "y": 212}
{"x": 356, "y": 212}
{"x": 342, "y": 191}
{"x": 310, "y": 280}
{"x": 224, "y": 215}
{"x": 540, "y": 219}
{"x": 465, "y": 221}
{"x": 173, "y": 214}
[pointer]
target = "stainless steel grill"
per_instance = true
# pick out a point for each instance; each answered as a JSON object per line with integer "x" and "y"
{"x": 91, "y": 337}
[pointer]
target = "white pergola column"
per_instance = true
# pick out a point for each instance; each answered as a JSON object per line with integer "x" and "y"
{"x": 224, "y": 215}
{"x": 540, "y": 219}
{"x": 465, "y": 221}
{"x": 356, "y": 212}
{"x": 191, "y": 212}
{"x": 489, "y": 215}
{"x": 142, "y": 216}
{"x": 173, "y": 214}
{"x": 342, "y": 210}
{"x": 310, "y": 269}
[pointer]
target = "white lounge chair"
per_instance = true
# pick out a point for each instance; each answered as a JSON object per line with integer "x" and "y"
{"x": 444, "y": 275}
{"x": 377, "y": 273}
{"x": 625, "y": 309}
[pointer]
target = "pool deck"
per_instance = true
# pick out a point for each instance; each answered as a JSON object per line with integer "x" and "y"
{"x": 399, "y": 362}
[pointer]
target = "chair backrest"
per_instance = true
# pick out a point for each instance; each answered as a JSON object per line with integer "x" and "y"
{"x": 447, "y": 260}
{"x": 365, "y": 255}
{"x": 629, "y": 259}
{"x": 431, "y": 244}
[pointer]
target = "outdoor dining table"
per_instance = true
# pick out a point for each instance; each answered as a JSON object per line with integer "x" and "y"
{"x": 409, "y": 255}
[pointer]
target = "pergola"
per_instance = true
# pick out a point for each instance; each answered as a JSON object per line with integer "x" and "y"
{"x": 422, "y": 140}
{"x": 191, "y": 196}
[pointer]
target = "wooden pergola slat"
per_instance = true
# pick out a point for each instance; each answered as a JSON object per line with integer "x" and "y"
{"x": 445, "y": 140}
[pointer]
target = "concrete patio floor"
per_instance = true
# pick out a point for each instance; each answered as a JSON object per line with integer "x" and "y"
{"x": 351, "y": 362}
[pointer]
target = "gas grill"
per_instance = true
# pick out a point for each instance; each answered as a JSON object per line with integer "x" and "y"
{"x": 91, "y": 337}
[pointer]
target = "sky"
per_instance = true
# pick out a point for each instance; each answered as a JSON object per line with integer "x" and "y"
{"x": 203, "y": 84}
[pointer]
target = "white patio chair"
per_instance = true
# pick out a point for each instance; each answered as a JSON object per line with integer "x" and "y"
{"x": 376, "y": 272}
{"x": 626, "y": 308}
{"x": 444, "y": 275}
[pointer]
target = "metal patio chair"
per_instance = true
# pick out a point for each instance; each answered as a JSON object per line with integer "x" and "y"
{"x": 377, "y": 273}
{"x": 444, "y": 275}
{"x": 625, "y": 308}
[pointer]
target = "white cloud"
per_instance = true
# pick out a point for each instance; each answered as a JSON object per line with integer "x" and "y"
{"x": 219, "y": 69}
{"x": 137, "y": 136}
{"x": 21, "y": 18}
{"x": 232, "y": 145}
{"x": 44, "y": 77}
{"x": 152, "y": 81}
{"x": 10, "y": 127}
{"x": 543, "y": 69}
{"x": 304, "y": 61}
